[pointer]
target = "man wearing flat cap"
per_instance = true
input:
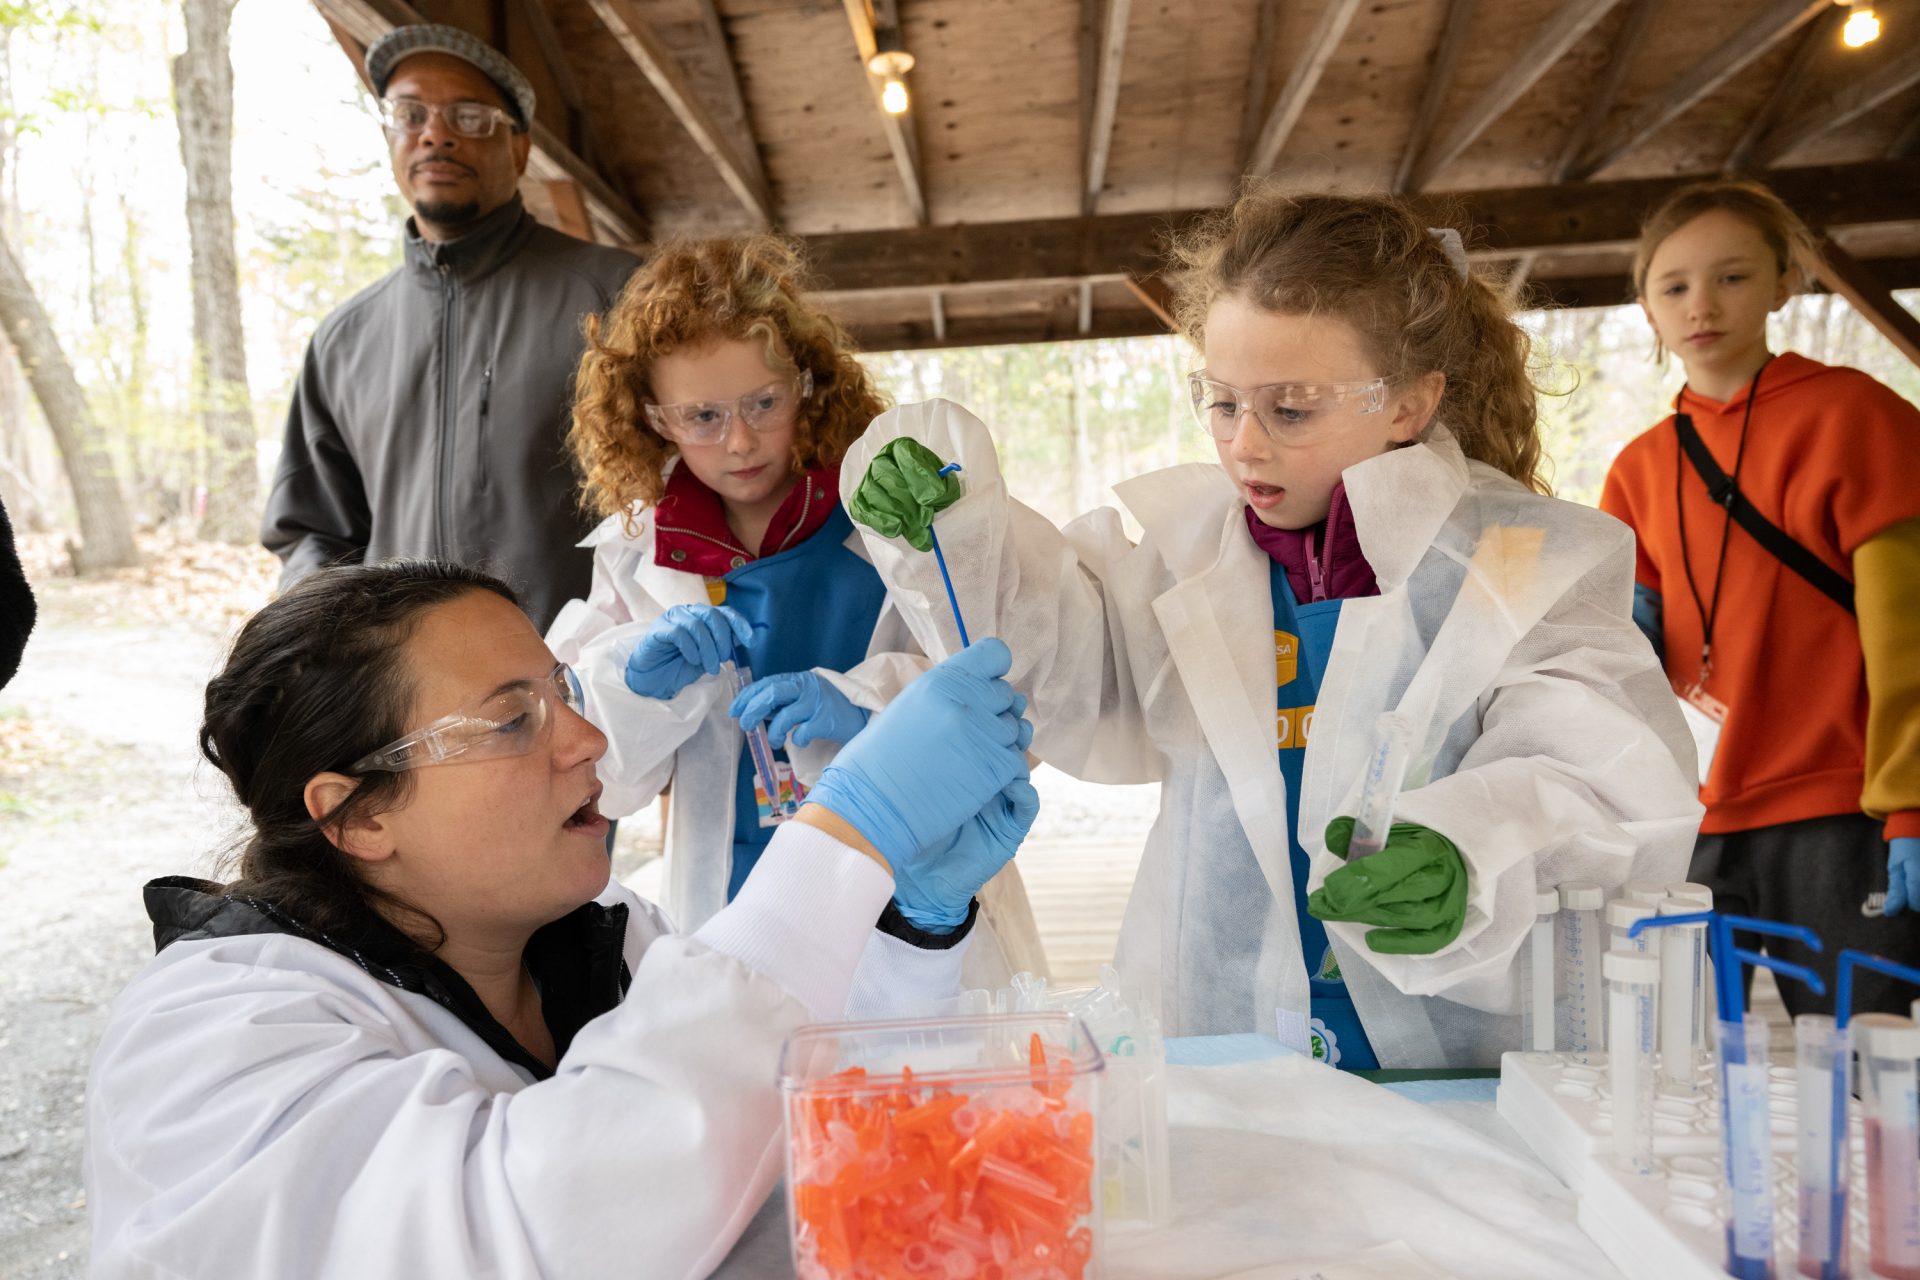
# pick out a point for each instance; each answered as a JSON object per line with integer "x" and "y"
{"x": 431, "y": 413}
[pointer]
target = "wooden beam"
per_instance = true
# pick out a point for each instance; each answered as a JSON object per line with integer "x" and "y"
{"x": 939, "y": 309}
{"x": 1761, "y": 32}
{"x": 364, "y": 21}
{"x": 748, "y": 142}
{"x": 1845, "y": 104}
{"x": 1446, "y": 58}
{"x": 662, "y": 70}
{"x": 1515, "y": 285}
{"x": 1156, "y": 297}
{"x": 540, "y": 22}
{"x": 1870, "y": 295}
{"x": 1301, "y": 82}
{"x": 1572, "y": 20}
{"x": 1741, "y": 158}
{"x": 901, "y": 139}
{"x": 1105, "y": 93}
{"x": 993, "y": 331}
{"x": 1617, "y": 290}
{"x": 1086, "y": 306}
{"x": 1596, "y": 107}
{"x": 570, "y": 210}
{"x": 1253, "y": 108}
{"x": 1906, "y": 146}
{"x": 1507, "y": 223}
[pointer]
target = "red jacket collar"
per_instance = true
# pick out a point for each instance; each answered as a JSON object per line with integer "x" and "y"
{"x": 690, "y": 524}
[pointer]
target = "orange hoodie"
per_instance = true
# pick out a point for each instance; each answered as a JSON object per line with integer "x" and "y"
{"x": 1833, "y": 458}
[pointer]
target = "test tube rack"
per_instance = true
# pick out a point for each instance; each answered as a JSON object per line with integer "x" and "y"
{"x": 1670, "y": 1224}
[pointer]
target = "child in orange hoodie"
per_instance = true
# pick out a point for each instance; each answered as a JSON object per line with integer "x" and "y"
{"x": 1813, "y": 792}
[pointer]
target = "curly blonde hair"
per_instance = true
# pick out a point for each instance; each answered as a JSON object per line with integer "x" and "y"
{"x": 688, "y": 294}
{"x": 1372, "y": 262}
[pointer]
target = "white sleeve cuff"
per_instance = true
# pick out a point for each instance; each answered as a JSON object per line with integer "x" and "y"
{"x": 804, "y": 917}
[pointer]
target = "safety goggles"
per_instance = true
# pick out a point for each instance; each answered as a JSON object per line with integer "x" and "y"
{"x": 468, "y": 119}
{"x": 764, "y": 409}
{"x": 509, "y": 722}
{"x": 1286, "y": 411}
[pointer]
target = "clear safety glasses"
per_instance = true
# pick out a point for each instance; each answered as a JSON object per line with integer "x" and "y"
{"x": 1286, "y": 411}
{"x": 468, "y": 119}
{"x": 510, "y": 722}
{"x": 763, "y": 409}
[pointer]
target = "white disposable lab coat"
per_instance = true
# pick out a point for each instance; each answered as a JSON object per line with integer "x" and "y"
{"x": 1547, "y": 744}
{"x": 691, "y": 742}
{"x": 261, "y": 1106}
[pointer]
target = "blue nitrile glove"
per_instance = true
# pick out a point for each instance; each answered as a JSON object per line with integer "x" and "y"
{"x": 1903, "y": 874}
{"x": 945, "y": 883}
{"x": 801, "y": 704}
{"x": 942, "y": 751}
{"x": 685, "y": 643}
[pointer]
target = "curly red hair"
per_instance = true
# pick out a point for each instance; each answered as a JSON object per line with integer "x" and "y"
{"x": 689, "y": 293}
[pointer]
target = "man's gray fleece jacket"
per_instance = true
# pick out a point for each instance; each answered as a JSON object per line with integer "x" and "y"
{"x": 431, "y": 414}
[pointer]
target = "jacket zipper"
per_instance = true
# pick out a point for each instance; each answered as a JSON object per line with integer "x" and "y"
{"x": 443, "y": 490}
{"x": 480, "y": 445}
{"x": 1316, "y": 575}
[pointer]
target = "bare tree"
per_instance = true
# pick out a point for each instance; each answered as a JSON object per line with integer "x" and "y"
{"x": 203, "y": 102}
{"x": 106, "y": 534}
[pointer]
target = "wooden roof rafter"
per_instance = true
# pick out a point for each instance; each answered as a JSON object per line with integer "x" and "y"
{"x": 1778, "y": 21}
{"x": 1284, "y": 112}
{"x": 1572, "y": 20}
{"x": 1907, "y": 145}
{"x": 358, "y": 23}
{"x": 1446, "y": 60}
{"x": 1633, "y": 34}
{"x": 1853, "y": 280}
{"x": 1107, "y": 33}
{"x": 657, "y": 63}
{"x": 864, "y": 16}
{"x": 1741, "y": 158}
{"x": 1844, "y": 105}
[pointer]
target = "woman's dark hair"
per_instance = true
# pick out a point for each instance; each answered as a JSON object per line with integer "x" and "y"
{"x": 315, "y": 681}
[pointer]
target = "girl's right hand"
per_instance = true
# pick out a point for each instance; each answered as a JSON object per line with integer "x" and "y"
{"x": 685, "y": 643}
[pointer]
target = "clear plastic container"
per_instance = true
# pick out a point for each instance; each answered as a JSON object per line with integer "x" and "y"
{"x": 1821, "y": 1061}
{"x": 1536, "y": 977}
{"x": 1650, "y": 893}
{"x": 1747, "y": 1146}
{"x": 1581, "y": 1014}
{"x": 1890, "y": 1104}
{"x": 944, "y": 1147}
{"x": 1622, "y": 916}
{"x": 1683, "y": 996}
{"x": 1632, "y": 979}
{"x": 1135, "y": 1170}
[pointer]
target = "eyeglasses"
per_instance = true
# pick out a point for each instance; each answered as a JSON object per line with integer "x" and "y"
{"x": 511, "y": 722}
{"x": 1286, "y": 411}
{"x": 468, "y": 119}
{"x": 705, "y": 423}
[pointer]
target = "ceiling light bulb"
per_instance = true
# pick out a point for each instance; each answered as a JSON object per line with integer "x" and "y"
{"x": 1862, "y": 28}
{"x": 894, "y": 98}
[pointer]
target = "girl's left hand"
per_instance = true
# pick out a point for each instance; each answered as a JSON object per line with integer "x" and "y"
{"x": 803, "y": 707}
{"x": 1414, "y": 890}
{"x": 1903, "y": 875}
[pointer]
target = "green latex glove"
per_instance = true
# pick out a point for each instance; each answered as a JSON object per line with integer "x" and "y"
{"x": 1414, "y": 890}
{"x": 902, "y": 491}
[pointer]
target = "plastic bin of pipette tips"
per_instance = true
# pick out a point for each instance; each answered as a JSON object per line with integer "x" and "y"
{"x": 944, "y": 1147}
{"x": 1670, "y": 1224}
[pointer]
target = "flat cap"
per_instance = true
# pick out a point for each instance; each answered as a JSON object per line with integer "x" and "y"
{"x": 384, "y": 54}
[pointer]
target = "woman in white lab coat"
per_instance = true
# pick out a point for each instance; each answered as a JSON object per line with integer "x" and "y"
{"x": 423, "y": 1035}
{"x": 1545, "y": 744}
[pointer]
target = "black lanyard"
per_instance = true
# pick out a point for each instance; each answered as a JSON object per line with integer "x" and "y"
{"x": 1710, "y": 611}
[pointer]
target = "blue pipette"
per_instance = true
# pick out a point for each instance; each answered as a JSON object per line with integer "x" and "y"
{"x": 1744, "y": 1123}
{"x": 946, "y": 577}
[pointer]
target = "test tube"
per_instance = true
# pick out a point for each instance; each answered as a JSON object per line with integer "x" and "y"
{"x": 1745, "y": 1128}
{"x": 1683, "y": 994}
{"x": 1889, "y": 1044}
{"x": 1580, "y": 944}
{"x": 1647, "y": 892}
{"x": 760, "y": 747}
{"x": 1386, "y": 770}
{"x": 1632, "y": 979}
{"x": 1622, "y": 916}
{"x": 1536, "y": 977}
{"x": 1698, "y": 897}
{"x": 1821, "y": 1061}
